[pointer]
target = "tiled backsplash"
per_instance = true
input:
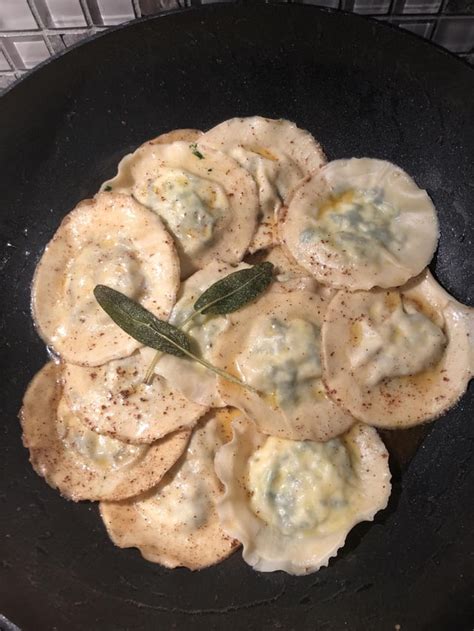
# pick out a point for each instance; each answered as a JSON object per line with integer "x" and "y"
{"x": 33, "y": 30}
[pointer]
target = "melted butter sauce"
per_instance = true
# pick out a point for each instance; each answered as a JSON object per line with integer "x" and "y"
{"x": 264, "y": 153}
{"x": 395, "y": 340}
{"x": 336, "y": 202}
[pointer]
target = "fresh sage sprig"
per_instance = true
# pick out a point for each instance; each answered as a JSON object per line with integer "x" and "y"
{"x": 226, "y": 296}
{"x": 233, "y": 291}
{"x": 147, "y": 329}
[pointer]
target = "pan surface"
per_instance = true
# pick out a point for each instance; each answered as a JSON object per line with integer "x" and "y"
{"x": 362, "y": 89}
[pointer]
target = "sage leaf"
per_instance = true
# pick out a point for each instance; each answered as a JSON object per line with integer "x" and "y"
{"x": 149, "y": 330}
{"x": 227, "y": 295}
{"x": 235, "y": 290}
{"x": 140, "y": 324}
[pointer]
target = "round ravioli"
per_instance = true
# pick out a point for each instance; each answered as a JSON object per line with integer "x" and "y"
{"x": 194, "y": 381}
{"x": 277, "y": 153}
{"x": 110, "y": 240}
{"x": 176, "y": 523}
{"x": 113, "y": 399}
{"x": 292, "y": 503}
{"x": 123, "y": 181}
{"x": 396, "y": 358}
{"x": 206, "y": 200}
{"x": 80, "y": 463}
{"x": 361, "y": 223}
{"x": 273, "y": 346}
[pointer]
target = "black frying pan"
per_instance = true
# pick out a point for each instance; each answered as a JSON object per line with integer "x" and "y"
{"x": 362, "y": 89}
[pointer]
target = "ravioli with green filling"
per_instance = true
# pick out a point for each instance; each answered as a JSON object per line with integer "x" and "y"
{"x": 292, "y": 503}
{"x": 205, "y": 199}
{"x": 278, "y": 154}
{"x": 396, "y": 358}
{"x": 273, "y": 346}
{"x": 360, "y": 223}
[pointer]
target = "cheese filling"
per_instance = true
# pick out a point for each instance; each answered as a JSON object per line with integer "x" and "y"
{"x": 189, "y": 205}
{"x": 184, "y": 498}
{"x": 358, "y": 224}
{"x": 185, "y": 502}
{"x": 101, "y": 451}
{"x": 109, "y": 263}
{"x": 302, "y": 487}
{"x": 395, "y": 340}
{"x": 282, "y": 358}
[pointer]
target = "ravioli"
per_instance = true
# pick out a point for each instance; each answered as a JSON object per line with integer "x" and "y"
{"x": 110, "y": 240}
{"x": 195, "y": 382}
{"x": 206, "y": 200}
{"x": 292, "y": 503}
{"x": 113, "y": 399}
{"x": 176, "y": 523}
{"x": 361, "y": 223}
{"x": 273, "y": 346}
{"x": 396, "y": 358}
{"x": 80, "y": 463}
{"x": 352, "y": 334}
{"x": 123, "y": 181}
{"x": 277, "y": 153}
